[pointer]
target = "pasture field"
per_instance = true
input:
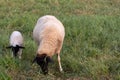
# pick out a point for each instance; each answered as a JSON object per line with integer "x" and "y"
{"x": 91, "y": 49}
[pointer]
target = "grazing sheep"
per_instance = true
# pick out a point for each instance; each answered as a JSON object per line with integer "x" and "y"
{"x": 49, "y": 35}
{"x": 16, "y": 43}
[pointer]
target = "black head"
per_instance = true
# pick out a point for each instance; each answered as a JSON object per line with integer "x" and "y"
{"x": 43, "y": 61}
{"x": 15, "y": 49}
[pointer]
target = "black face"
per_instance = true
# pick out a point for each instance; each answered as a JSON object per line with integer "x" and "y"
{"x": 15, "y": 49}
{"x": 43, "y": 61}
{"x": 43, "y": 64}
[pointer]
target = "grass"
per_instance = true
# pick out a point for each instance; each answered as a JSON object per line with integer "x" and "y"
{"x": 91, "y": 49}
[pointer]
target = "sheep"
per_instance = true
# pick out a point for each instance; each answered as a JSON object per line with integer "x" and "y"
{"x": 16, "y": 44}
{"x": 48, "y": 34}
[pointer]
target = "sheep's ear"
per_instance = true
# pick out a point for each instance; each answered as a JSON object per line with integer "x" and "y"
{"x": 22, "y": 47}
{"x": 9, "y": 47}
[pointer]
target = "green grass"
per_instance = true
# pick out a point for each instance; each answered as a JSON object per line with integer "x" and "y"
{"x": 91, "y": 49}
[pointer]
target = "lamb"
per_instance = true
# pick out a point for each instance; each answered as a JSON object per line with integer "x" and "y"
{"x": 49, "y": 34}
{"x": 16, "y": 44}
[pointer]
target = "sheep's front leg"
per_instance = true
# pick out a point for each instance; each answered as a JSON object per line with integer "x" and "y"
{"x": 20, "y": 53}
{"x": 12, "y": 54}
{"x": 60, "y": 67}
{"x": 58, "y": 54}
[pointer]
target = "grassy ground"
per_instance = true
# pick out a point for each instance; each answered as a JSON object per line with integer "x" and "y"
{"x": 91, "y": 50}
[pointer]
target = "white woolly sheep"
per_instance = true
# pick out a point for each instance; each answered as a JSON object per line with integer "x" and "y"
{"x": 49, "y": 35}
{"x": 16, "y": 43}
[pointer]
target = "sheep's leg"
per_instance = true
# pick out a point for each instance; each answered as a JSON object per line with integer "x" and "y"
{"x": 58, "y": 53}
{"x": 60, "y": 67}
{"x": 20, "y": 53}
{"x": 12, "y": 54}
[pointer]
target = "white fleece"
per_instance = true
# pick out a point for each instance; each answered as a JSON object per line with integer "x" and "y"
{"x": 49, "y": 35}
{"x": 16, "y": 38}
